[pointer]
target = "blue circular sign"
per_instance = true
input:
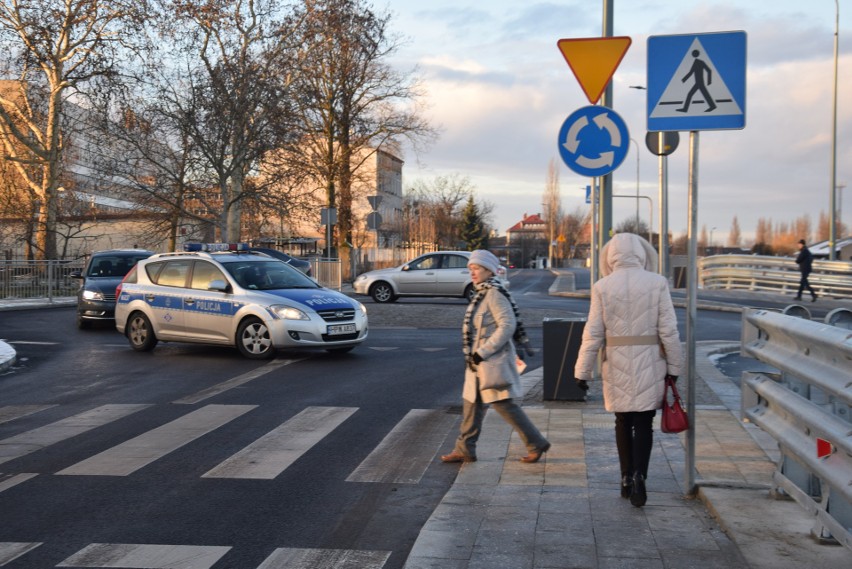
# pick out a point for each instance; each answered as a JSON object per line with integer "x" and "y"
{"x": 593, "y": 141}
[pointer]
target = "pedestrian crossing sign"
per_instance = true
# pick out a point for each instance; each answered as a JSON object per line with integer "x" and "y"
{"x": 697, "y": 81}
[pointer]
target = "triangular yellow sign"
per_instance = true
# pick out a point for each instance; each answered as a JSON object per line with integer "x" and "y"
{"x": 593, "y": 61}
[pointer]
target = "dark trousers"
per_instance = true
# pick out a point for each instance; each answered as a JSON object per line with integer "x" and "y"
{"x": 634, "y": 437}
{"x": 804, "y": 284}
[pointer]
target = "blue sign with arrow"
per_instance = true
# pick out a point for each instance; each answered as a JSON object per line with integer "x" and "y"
{"x": 697, "y": 81}
{"x": 593, "y": 141}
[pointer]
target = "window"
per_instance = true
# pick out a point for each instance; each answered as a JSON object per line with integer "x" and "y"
{"x": 173, "y": 274}
{"x": 454, "y": 262}
{"x": 425, "y": 263}
{"x": 203, "y": 273}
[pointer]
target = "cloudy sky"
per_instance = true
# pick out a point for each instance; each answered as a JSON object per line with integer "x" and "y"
{"x": 499, "y": 90}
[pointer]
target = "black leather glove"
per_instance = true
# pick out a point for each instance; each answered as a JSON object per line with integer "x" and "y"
{"x": 671, "y": 377}
{"x": 582, "y": 384}
{"x": 477, "y": 359}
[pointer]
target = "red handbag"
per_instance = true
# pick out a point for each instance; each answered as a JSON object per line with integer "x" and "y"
{"x": 675, "y": 419}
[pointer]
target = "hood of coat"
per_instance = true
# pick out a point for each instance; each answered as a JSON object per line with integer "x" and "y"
{"x": 627, "y": 250}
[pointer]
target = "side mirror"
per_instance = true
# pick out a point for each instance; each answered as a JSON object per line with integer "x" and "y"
{"x": 76, "y": 274}
{"x": 218, "y": 285}
{"x": 406, "y": 268}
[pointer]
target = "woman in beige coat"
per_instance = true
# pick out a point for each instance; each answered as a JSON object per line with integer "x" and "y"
{"x": 491, "y": 375}
{"x": 632, "y": 318}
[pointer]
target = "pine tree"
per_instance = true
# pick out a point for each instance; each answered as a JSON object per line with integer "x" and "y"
{"x": 472, "y": 230}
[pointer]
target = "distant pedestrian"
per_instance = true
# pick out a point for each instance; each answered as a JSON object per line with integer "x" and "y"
{"x": 490, "y": 329}
{"x": 805, "y": 261}
{"x": 632, "y": 321}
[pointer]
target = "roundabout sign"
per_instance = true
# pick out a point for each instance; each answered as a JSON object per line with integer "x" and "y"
{"x": 593, "y": 141}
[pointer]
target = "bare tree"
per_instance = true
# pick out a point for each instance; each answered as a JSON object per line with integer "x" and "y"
{"x": 352, "y": 102}
{"x": 54, "y": 49}
{"x": 553, "y": 207}
{"x": 735, "y": 235}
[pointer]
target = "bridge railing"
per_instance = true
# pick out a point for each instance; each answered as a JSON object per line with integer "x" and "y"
{"x": 773, "y": 274}
{"x": 807, "y": 408}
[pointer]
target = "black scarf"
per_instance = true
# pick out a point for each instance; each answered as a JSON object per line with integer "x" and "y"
{"x": 522, "y": 342}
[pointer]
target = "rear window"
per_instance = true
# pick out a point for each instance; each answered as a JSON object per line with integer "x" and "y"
{"x": 169, "y": 273}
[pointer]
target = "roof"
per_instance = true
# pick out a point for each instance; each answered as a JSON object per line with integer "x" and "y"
{"x": 822, "y": 247}
{"x": 523, "y": 225}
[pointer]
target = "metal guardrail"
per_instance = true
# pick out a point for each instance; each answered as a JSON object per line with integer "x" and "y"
{"x": 38, "y": 279}
{"x": 773, "y": 274}
{"x": 807, "y": 408}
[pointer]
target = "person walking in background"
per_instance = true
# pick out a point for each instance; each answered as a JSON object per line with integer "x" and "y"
{"x": 490, "y": 329}
{"x": 632, "y": 318}
{"x": 805, "y": 261}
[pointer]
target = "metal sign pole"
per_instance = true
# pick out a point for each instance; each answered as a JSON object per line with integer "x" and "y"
{"x": 691, "y": 311}
{"x": 593, "y": 259}
{"x": 664, "y": 210}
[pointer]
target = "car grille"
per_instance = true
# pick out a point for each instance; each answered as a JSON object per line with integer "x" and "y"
{"x": 109, "y": 297}
{"x": 337, "y": 315}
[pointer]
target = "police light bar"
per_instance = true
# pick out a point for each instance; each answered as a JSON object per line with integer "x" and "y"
{"x": 214, "y": 247}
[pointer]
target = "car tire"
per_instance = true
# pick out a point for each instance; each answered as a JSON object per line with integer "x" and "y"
{"x": 254, "y": 340}
{"x": 140, "y": 333}
{"x": 469, "y": 292}
{"x": 82, "y": 323}
{"x": 382, "y": 292}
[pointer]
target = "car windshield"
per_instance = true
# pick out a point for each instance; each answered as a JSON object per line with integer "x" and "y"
{"x": 267, "y": 275}
{"x": 113, "y": 265}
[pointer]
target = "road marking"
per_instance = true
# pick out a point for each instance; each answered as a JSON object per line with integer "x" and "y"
{"x": 407, "y": 451}
{"x": 10, "y": 481}
{"x": 130, "y": 456}
{"x": 271, "y": 454}
{"x": 12, "y": 412}
{"x": 146, "y": 556}
{"x": 37, "y": 439}
{"x": 286, "y": 558}
{"x": 234, "y": 382}
{"x": 382, "y": 349}
{"x": 11, "y": 550}
{"x": 31, "y": 343}
{"x": 432, "y": 349}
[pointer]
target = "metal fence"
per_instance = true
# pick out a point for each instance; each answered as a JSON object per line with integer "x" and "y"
{"x": 807, "y": 408}
{"x": 327, "y": 272}
{"x": 38, "y": 279}
{"x": 773, "y": 274}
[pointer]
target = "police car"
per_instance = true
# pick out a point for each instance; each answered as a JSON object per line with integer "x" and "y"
{"x": 224, "y": 294}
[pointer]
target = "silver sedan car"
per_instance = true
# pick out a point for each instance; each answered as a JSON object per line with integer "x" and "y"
{"x": 442, "y": 273}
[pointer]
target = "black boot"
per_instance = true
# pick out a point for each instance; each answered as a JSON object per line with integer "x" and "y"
{"x": 638, "y": 497}
{"x": 626, "y": 486}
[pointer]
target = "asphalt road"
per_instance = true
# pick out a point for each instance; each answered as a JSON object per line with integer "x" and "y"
{"x": 103, "y": 445}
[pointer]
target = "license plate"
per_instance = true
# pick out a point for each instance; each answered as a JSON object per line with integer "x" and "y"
{"x": 338, "y": 329}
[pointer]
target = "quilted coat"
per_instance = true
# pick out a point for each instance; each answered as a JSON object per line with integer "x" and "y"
{"x": 493, "y": 327}
{"x": 632, "y": 319}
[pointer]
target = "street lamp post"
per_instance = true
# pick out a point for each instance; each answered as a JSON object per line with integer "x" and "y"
{"x": 832, "y": 232}
{"x": 637, "y": 185}
{"x": 712, "y": 248}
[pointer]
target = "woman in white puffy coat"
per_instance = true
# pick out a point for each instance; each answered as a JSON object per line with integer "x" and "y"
{"x": 632, "y": 319}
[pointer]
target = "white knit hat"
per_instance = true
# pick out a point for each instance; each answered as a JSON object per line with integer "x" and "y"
{"x": 484, "y": 259}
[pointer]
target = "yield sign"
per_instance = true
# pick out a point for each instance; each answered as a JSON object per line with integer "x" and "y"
{"x": 593, "y": 61}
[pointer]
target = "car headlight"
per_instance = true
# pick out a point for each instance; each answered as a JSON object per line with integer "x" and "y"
{"x": 361, "y": 277}
{"x": 288, "y": 312}
{"x": 362, "y": 308}
{"x": 93, "y": 295}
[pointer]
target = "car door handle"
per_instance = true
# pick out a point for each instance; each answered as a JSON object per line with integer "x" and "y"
{"x": 149, "y": 298}
{"x": 189, "y": 301}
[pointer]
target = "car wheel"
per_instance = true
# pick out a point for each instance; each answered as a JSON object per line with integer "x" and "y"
{"x": 140, "y": 333}
{"x": 82, "y": 323}
{"x": 382, "y": 292}
{"x": 469, "y": 292}
{"x": 253, "y": 339}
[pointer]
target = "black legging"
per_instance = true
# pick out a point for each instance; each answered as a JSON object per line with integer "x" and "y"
{"x": 634, "y": 438}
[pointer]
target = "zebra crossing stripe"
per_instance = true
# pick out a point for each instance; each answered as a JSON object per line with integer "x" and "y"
{"x": 412, "y": 444}
{"x": 11, "y": 550}
{"x": 37, "y": 439}
{"x": 140, "y": 451}
{"x": 147, "y": 556}
{"x": 12, "y": 412}
{"x": 234, "y": 382}
{"x": 286, "y": 558}
{"x": 271, "y": 454}
{"x": 10, "y": 480}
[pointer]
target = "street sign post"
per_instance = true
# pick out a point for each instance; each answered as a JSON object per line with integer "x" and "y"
{"x": 697, "y": 81}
